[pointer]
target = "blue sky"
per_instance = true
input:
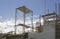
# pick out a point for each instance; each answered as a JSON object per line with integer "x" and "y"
{"x": 7, "y": 7}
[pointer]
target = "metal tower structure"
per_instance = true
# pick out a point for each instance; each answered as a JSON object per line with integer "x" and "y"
{"x": 25, "y": 11}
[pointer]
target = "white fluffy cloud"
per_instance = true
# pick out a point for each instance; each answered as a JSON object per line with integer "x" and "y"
{"x": 1, "y": 17}
{"x": 8, "y": 25}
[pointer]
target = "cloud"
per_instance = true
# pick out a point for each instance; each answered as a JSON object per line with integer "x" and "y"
{"x": 8, "y": 25}
{"x": 1, "y": 17}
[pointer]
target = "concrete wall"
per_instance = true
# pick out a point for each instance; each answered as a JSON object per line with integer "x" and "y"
{"x": 48, "y": 33}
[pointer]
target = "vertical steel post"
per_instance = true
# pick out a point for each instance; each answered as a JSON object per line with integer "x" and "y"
{"x": 44, "y": 6}
{"x": 32, "y": 21}
{"x": 55, "y": 7}
{"x": 15, "y": 20}
{"x": 24, "y": 23}
{"x": 59, "y": 10}
{"x": 56, "y": 26}
{"x": 40, "y": 19}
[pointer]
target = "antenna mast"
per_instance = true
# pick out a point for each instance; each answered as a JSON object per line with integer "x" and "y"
{"x": 44, "y": 6}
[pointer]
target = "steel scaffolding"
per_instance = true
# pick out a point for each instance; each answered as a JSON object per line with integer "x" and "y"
{"x": 25, "y": 11}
